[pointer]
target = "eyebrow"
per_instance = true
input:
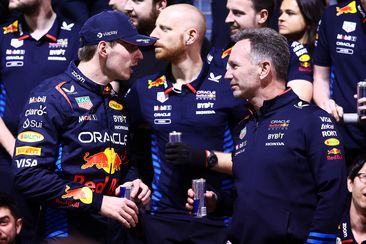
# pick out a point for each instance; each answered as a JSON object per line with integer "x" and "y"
{"x": 6, "y": 217}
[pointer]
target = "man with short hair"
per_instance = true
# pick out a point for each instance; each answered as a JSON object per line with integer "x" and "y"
{"x": 352, "y": 228}
{"x": 10, "y": 221}
{"x": 74, "y": 161}
{"x": 185, "y": 97}
{"x": 288, "y": 159}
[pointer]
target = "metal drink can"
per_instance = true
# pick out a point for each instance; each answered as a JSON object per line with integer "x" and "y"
{"x": 175, "y": 136}
{"x": 361, "y": 93}
{"x": 199, "y": 205}
{"x": 125, "y": 192}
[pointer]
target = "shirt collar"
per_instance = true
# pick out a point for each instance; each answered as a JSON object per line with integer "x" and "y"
{"x": 50, "y": 36}
{"x": 193, "y": 86}
{"x": 278, "y": 102}
{"x": 84, "y": 81}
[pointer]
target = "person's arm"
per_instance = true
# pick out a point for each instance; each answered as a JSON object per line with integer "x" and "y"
{"x": 327, "y": 164}
{"x": 302, "y": 88}
{"x": 322, "y": 93}
{"x": 7, "y": 140}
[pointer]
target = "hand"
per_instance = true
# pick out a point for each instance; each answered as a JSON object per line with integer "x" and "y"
{"x": 120, "y": 209}
{"x": 210, "y": 197}
{"x": 179, "y": 153}
{"x": 361, "y": 108}
{"x": 332, "y": 108}
{"x": 138, "y": 187}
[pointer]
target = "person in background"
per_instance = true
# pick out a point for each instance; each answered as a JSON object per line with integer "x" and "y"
{"x": 10, "y": 220}
{"x": 74, "y": 163}
{"x": 338, "y": 67}
{"x": 352, "y": 228}
{"x": 34, "y": 46}
{"x": 298, "y": 21}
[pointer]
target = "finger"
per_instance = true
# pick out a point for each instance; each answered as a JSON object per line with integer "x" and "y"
{"x": 190, "y": 193}
{"x": 121, "y": 219}
{"x": 130, "y": 204}
{"x": 143, "y": 191}
{"x": 340, "y": 111}
{"x": 146, "y": 198}
{"x": 135, "y": 189}
{"x": 130, "y": 218}
{"x": 190, "y": 201}
{"x": 189, "y": 207}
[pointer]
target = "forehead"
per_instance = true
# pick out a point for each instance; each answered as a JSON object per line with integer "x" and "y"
{"x": 243, "y": 5}
{"x": 363, "y": 169}
{"x": 4, "y": 212}
{"x": 289, "y": 4}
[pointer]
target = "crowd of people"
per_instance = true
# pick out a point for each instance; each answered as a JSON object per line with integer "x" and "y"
{"x": 90, "y": 92}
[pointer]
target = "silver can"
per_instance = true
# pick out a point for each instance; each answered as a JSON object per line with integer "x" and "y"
{"x": 175, "y": 136}
{"x": 199, "y": 205}
{"x": 361, "y": 93}
{"x": 125, "y": 192}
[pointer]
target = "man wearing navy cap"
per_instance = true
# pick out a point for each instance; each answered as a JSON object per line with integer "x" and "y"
{"x": 75, "y": 159}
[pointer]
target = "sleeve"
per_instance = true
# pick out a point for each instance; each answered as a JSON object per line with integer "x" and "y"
{"x": 300, "y": 67}
{"x": 321, "y": 55}
{"x": 326, "y": 160}
{"x": 36, "y": 151}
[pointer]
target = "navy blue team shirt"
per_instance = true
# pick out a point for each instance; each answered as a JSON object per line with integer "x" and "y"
{"x": 204, "y": 111}
{"x": 289, "y": 174}
{"x": 25, "y": 62}
{"x": 341, "y": 46}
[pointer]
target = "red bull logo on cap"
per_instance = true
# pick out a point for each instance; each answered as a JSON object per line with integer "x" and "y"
{"x": 348, "y": 9}
{"x": 108, "y": 160}
{"x": 84, "y": 194}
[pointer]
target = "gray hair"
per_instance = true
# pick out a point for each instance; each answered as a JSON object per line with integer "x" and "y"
{"x": 266, "y": 43}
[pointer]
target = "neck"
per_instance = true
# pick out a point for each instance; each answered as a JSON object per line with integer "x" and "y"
{"x": 92, "y": 71}
{"x": 269, "y": 92}
{"x": 357, "y": 219}
{"x": 187, "y": 69}
{"x": 41, "y": 20}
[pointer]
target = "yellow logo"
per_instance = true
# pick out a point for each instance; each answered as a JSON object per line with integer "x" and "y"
{"x": 332, "y": 142}
{"x": 30, "y": 136}
{"x": 13, "y": 27}
{"x": 304, "y": 58}
{"x": 115, "y": 105}
{"x": 348, "y": 9}
{"x": 28, "y": 151}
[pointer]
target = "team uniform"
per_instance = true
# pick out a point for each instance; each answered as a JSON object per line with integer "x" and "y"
{"x": 300, "y": 67}
{"x": 204, "y": 111}
{"x": 24, "y": 63}
{"x": 70, "y": 151}
{"x": 289, "y": 174}
{"x": 340, "y": 45}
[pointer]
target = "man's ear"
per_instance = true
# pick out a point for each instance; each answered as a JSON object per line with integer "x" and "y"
{"x": 262, "y": 17}
{"x": 18, "y": 225}
{"x": 264, "y": 69}
{"x": 191, "y": 36}
{"x": 160, "y": 5}
{"x": 349, "y": 185}
{"x": 102, "y": 48}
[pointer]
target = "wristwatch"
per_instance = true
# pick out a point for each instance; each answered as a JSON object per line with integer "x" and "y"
{"x": 211, "y": 159}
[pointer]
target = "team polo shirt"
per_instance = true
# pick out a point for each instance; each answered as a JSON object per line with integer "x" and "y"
{"x": 289, "y": 172}
{"x": 300, "y": 67}
{"x": 341, "y": 45}
{"x": 204, "y": 111}
{"x": 345, "y": 234}
{"x": 25, "y": 62}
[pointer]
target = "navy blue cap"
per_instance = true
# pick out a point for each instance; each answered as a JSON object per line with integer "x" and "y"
{"x": 111, "y": 26}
